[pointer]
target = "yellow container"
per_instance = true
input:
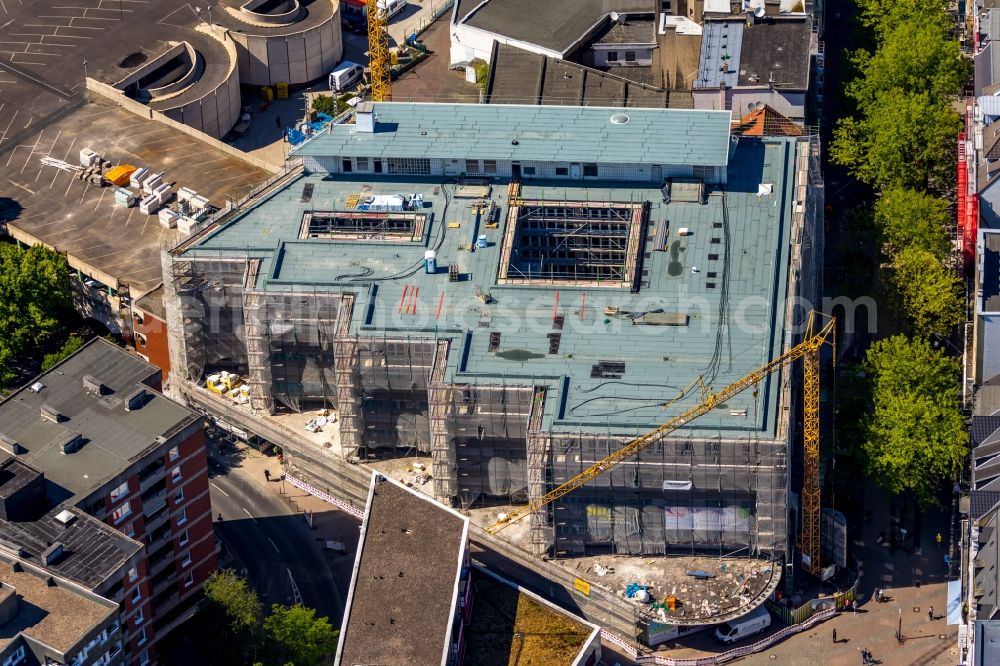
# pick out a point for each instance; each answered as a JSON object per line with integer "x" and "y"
{"x": 267, "y": 93}
{"x": 282, "y": 90}
{"x": 120, "y": 174}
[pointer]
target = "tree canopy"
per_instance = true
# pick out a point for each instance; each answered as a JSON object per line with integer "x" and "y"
{"x": 236, "y": 598}
{"x": 932, "y": 295}
{"x": 909, "y": 218}
{"x": 903, "y": 140}
{"x": 301, "y": 637}
{"x": 884, "y": 15}
{"x": 34, "y": 291}
{"x": 915, "y": 436}
{"x": 916, "y": 56}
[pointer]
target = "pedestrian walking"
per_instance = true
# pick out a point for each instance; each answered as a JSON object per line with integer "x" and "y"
{"x": 277, "y": 122}
{"x": 854, "y": 606}
{"x": 877, "y": 595}
{"x": 930, "y": 612}
{"x": 834, "y": 635}
{"x": 937, "y": 539}
{"x": 267, "y": 475}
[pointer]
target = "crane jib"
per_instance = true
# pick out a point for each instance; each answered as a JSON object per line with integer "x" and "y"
{"x": 811, "y": 344}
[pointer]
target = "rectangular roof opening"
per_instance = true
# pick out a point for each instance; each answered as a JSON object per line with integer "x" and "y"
{"x": 369, "y": 225}
{"x": 576, "y": 242}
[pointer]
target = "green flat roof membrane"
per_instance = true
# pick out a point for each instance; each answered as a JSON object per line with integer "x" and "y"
{"x": 533, "y": 133}
{"x": 741, "y": 278}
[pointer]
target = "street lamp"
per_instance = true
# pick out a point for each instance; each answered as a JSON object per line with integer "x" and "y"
{"x": 84, "y": 68}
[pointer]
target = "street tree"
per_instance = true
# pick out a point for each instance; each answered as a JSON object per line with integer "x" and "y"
{"x": 236, "y": 598}
{"x": 902, "y": 139}
{"x": 914, "y": 56}
{"x": 34, "y": 291}
{"x": 883, "y": 15}
{"x": 909, "y": 218}
{"x": 71, "y": 346}
{"x": 915, "y": 435}
{"x": 932, "y": 296}
{"x": 300, "y": 637}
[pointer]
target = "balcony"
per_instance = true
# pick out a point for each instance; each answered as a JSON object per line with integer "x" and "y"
{"x": 154, "y": 507}
{"x": 165, "y": 583}
{"x": 160, "y": 565}
{"x": 149, "y": 473}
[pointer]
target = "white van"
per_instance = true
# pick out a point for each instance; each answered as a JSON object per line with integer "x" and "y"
{"x": 392, "y": 7}
{"x": 344, "y": 75}
{"x": 752, "y": 623}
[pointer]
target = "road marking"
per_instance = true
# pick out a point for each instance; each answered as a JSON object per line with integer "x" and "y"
{"x": 249, "y": 514}
{"x": 218, "y": 488}
{"x": 274, "y": 546}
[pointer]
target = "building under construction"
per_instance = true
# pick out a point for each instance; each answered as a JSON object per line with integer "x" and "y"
{"x": 516, "y": 291}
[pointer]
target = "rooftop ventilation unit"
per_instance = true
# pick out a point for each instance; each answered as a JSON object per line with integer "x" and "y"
{"x": 11, "y": 548}
{"x": 135, "y": 400}
{"x": 10, "y": 445}
{"x": 92, "y": 385}
{"x": 50, "y": 413}
{"x": 619, "y": 118}
{"x": 71, "y": 443}
{"x": 65, "y": 517}
{"x": 52, "y": 554}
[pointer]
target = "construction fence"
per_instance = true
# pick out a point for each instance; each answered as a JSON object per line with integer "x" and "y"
{"x": 724, "y": 657}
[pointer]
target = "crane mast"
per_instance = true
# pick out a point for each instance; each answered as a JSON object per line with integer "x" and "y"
{"x": 378, "y": 52}
{"x": 808, "y": 350}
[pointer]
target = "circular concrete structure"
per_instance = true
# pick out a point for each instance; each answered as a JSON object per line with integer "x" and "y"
{"x": 291, "y": 41}
{"x": 211, "y": 103}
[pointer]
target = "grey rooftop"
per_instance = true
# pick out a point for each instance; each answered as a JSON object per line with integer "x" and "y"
{"x": 401, "y": 604}
{"x": 533, "y": 133}
{"x": 556, "y": 25}
{"x": 111, "y": 437}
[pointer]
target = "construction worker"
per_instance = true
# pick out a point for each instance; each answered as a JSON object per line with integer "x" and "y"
{"x": 937, "y": 539}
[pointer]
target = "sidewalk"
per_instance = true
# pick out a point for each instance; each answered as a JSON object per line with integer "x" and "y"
{"x": 329, "y": 523}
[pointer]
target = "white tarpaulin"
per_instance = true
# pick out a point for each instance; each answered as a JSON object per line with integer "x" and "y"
{"x": 954, "y": 602}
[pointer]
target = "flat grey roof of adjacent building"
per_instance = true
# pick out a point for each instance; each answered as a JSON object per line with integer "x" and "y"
{"x": 523, "y": 77}
{"x": 401, "y": 604}
{"x": 556, "y": 25}
{"x": 989, "y": 273}
{"x": 92, "y": 550}
{"x": 630, "y": 30}
{"x": 739, "y": 56}
{"x": 777, "y": 48}
{"x": 987, "y": 642}
{"x": 697, "y": 273}
{"x": 58, "y": 616}
{"x": 533, "y": 133}
{"x": 112, "y": 437}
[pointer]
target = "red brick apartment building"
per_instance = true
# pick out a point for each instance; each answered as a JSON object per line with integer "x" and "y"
{"x": 109, "y": 443}
{"x": 149, "y": 328}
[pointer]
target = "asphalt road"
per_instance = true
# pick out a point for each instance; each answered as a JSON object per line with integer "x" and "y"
{"x": 280, "y": 555}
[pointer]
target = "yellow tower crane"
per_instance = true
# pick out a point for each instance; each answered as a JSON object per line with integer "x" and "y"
{"x": 808, "y": 350}
{"x": 378, "y": 52}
